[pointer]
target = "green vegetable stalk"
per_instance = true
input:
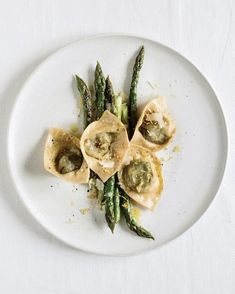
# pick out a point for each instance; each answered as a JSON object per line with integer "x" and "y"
{"x": 112, "y": 198}
{"x": 109, "y": 203}
{"x": 99, "y": 90}
{"x": 109, "y": 94}
{"x": 124, "y": 115}
{"x": 133, "y": 91}
{"x": 129, "y": 118}
{"x": 131, "y": 222}
{"x": 117, "y": 106}
{"x": 87, "y": 101}
{"x": 88, "y": 110}
{"x": 99, "y": 84}
{"x": 117, "y": 210}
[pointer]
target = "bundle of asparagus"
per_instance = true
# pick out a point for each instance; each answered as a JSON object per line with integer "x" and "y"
{"x": 114, "y": 199}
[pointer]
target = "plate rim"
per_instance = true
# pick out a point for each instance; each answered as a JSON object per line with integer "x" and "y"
{"x": 10, "y": 123}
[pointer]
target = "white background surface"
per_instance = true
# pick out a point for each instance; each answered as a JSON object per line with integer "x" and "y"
{"x": 200, "y": 261}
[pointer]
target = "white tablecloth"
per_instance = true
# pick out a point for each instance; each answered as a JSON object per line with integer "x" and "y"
{"x": 200, "y": 261}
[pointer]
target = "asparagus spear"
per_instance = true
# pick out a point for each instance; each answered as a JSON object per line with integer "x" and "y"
{"x": 99, "y": 90}
{"x": 87, "y": 100}
{"x": 117, "y": 211}
{"x": 111, "y": 195}
{"x": 133, "y": 91}
{"x": 124, "y": 115}
{"x": 117, "y": 110}
{"x": 117, "y": 106}
{"x": 99, "y": 93}
{"x": 130, "y": 123}
{"x": 110, "y": 184}
{"x": 109, "y": 94}
{"x": 112, "y": 102}
{"x": 88, "y": 110}
{"x": 94, "y": 182}
{"x": 131, "y": 222}
{"x": 109, "y": 204}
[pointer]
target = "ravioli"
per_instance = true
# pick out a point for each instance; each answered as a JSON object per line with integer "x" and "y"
{"x": 155, "y": 127}
{"x": 141, "y": 176}
{"x": 63, "y": 157}
{"x": 104, "y": 144}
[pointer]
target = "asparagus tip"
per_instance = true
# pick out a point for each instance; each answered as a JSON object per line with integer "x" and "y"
{"x": 98, "y": 66}
{"x": 78, "y": 79}
{"x": 141, "y": 52}
{"x": 111, "y": 226}
{"x": 151, "y": 237}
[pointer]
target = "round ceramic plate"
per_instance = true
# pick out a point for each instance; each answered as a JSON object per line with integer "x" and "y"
{"x": 193, "y": 164}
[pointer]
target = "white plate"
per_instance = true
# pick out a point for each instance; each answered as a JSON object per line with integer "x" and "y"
{"x": 192, "y": 176}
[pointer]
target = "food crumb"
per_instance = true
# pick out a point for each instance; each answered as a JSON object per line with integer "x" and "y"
{"x": 125, "y": 205}
{"x": 74, "y": 130}
{"x": 92, "y": 195}
{"x": 176, "y": 149}
{"x": 72, "y": 203}
{"x": 136, "y": 213}
{"x": 71, "y": 220}
{"x": 166, "y": 158}
{"x": 84, "y": 211}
